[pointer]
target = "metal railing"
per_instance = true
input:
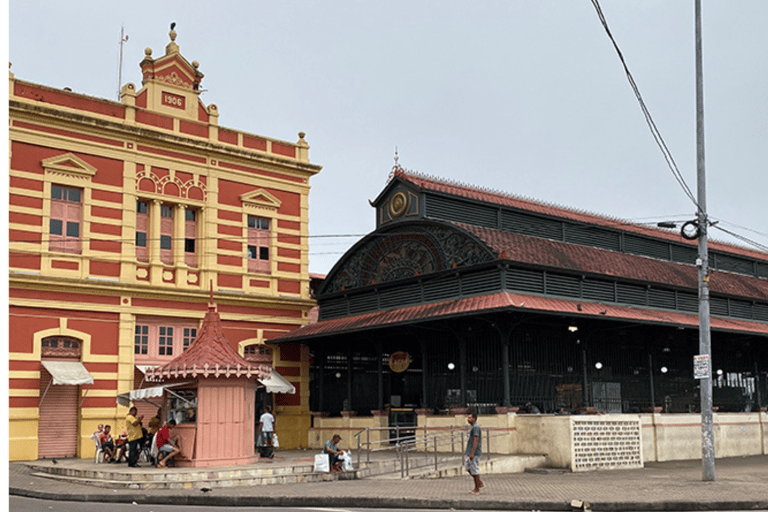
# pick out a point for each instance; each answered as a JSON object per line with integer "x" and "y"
{"x": 417, "y": 447}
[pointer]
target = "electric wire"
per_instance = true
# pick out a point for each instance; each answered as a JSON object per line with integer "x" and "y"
{"x": 648, "y": 118}
{"x": 658, "y": 137}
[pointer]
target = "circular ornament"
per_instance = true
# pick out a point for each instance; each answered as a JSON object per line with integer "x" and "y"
{"x": 399, "y": 362}
{"x": 398, "y": 204}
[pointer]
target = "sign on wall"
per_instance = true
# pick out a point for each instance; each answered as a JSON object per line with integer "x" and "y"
{"x": 399, "y": 361}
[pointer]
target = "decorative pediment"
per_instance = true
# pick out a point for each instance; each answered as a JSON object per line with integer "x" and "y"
{"x": 69, "y": 165}
{"x": 404, "y": 252}
{"x": 260, "y": 199}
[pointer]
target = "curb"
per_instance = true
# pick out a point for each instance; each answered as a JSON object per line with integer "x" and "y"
{"x": 393, "y": 503}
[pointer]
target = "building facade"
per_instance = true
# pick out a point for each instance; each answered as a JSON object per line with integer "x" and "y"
{"x": 465, "y": 297}
{"x": 123, "y": 218}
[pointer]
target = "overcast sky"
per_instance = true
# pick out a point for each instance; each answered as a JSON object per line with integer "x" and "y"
{"x": 526, "y": 97}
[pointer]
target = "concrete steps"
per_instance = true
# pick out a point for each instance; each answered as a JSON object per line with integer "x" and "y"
{"x": 189, "y": 478}
{"x": 121, "y": 477}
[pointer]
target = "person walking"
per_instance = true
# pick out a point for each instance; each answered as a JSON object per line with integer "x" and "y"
{"x": 135, "y": 436}
{"x": 473, "y": 452}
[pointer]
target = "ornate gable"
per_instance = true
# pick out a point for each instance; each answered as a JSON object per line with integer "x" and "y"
{"x": 260, "y": 199}
{"x": 69, "y": 165}
{"x": 399, "y": 201}
{"x": 405, "y": 251}
{"x": 171, "y": 84}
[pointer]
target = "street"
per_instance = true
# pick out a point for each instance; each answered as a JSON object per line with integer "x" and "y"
{"x": 18, "y": 504}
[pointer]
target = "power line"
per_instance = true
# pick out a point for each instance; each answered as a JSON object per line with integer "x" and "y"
{"x": 648, "y": 119}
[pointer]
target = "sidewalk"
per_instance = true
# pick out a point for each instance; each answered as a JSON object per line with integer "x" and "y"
{"x": 740, "y": 484}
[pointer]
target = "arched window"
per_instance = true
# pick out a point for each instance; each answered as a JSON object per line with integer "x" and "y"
{"x": 61, "y": 347}
{"x": 257, "y": 354}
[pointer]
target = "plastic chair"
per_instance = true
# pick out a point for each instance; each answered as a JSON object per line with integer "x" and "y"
{"x": 99, "y": 449}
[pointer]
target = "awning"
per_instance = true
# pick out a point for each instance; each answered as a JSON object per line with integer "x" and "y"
{"x": 276, "y": 383}
{"x": 71, "y": 373}
{"x": 145, "y": 394}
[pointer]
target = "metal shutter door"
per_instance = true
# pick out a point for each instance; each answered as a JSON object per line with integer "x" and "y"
{"x": 57, "y": 428}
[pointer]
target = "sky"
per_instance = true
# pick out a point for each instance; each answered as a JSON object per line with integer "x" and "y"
{"x": 524, "y": 97}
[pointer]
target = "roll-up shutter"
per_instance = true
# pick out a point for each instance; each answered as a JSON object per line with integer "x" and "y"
{"x": 57, "y": 428}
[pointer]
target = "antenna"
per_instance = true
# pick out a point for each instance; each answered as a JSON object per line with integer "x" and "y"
{"x": 123, "y": 39}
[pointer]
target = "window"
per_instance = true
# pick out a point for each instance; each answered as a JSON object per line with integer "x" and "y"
{"x": 165, "y": 341}
{"x": 190, "y": 234}
{"x": 66, "y": 213}
{"x": 141, "y": 340}
{"x": 60, "y": 347}
{"x": 258, "y": 244}
{"x": 159, "y": 340}
{"x": 181, "y": 405}
{"x": 258, "y": 354}
{"x": 142, "y": 229}
{"x": 166, "y": 234}
{"x": 189, "y": 336}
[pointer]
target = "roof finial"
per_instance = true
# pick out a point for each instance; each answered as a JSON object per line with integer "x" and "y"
{"x": 172, "y": 47}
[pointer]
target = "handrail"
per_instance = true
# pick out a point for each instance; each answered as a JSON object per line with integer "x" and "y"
{"x": 416, "y": 439}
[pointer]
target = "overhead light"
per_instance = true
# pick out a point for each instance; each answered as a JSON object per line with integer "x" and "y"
{"x": 664, "y": 369}
{"x": 573, "y": 328}
{"x": 598, "y": 365}
{"x": 451, "y": 366}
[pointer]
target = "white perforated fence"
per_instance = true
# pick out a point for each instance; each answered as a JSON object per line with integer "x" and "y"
{"x": 600, "y": 442}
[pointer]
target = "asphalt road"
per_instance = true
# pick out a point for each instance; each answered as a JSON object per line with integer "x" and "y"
{"x": 18, "y": 504}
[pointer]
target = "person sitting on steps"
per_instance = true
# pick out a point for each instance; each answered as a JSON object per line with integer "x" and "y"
{"x": 331, "y": 448}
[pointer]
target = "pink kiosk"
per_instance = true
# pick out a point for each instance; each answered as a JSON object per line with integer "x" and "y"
{"x": 210, "y": 390}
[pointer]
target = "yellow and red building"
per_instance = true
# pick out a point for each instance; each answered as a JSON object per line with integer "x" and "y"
{"x": 122, "y": 216}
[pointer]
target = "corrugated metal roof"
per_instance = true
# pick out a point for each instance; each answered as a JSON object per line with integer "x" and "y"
{"x": 579, "y": 258}
{"x": 511, "y": 302}
{"x": 504, "y": 199}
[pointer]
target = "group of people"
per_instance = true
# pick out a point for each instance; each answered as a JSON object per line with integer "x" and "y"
{"x": 114, "y": 449}
{"x": 167, "y": 446}
{"x": 135, "y": 437}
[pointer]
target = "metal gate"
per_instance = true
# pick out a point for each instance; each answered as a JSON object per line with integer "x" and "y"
{"x": 57, "y": 427}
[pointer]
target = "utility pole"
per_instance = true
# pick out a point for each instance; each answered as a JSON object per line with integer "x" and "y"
{"x": 705, "y": 345}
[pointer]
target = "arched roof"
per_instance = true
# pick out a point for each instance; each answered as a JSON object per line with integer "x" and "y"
{"x": 405, "y": 250}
